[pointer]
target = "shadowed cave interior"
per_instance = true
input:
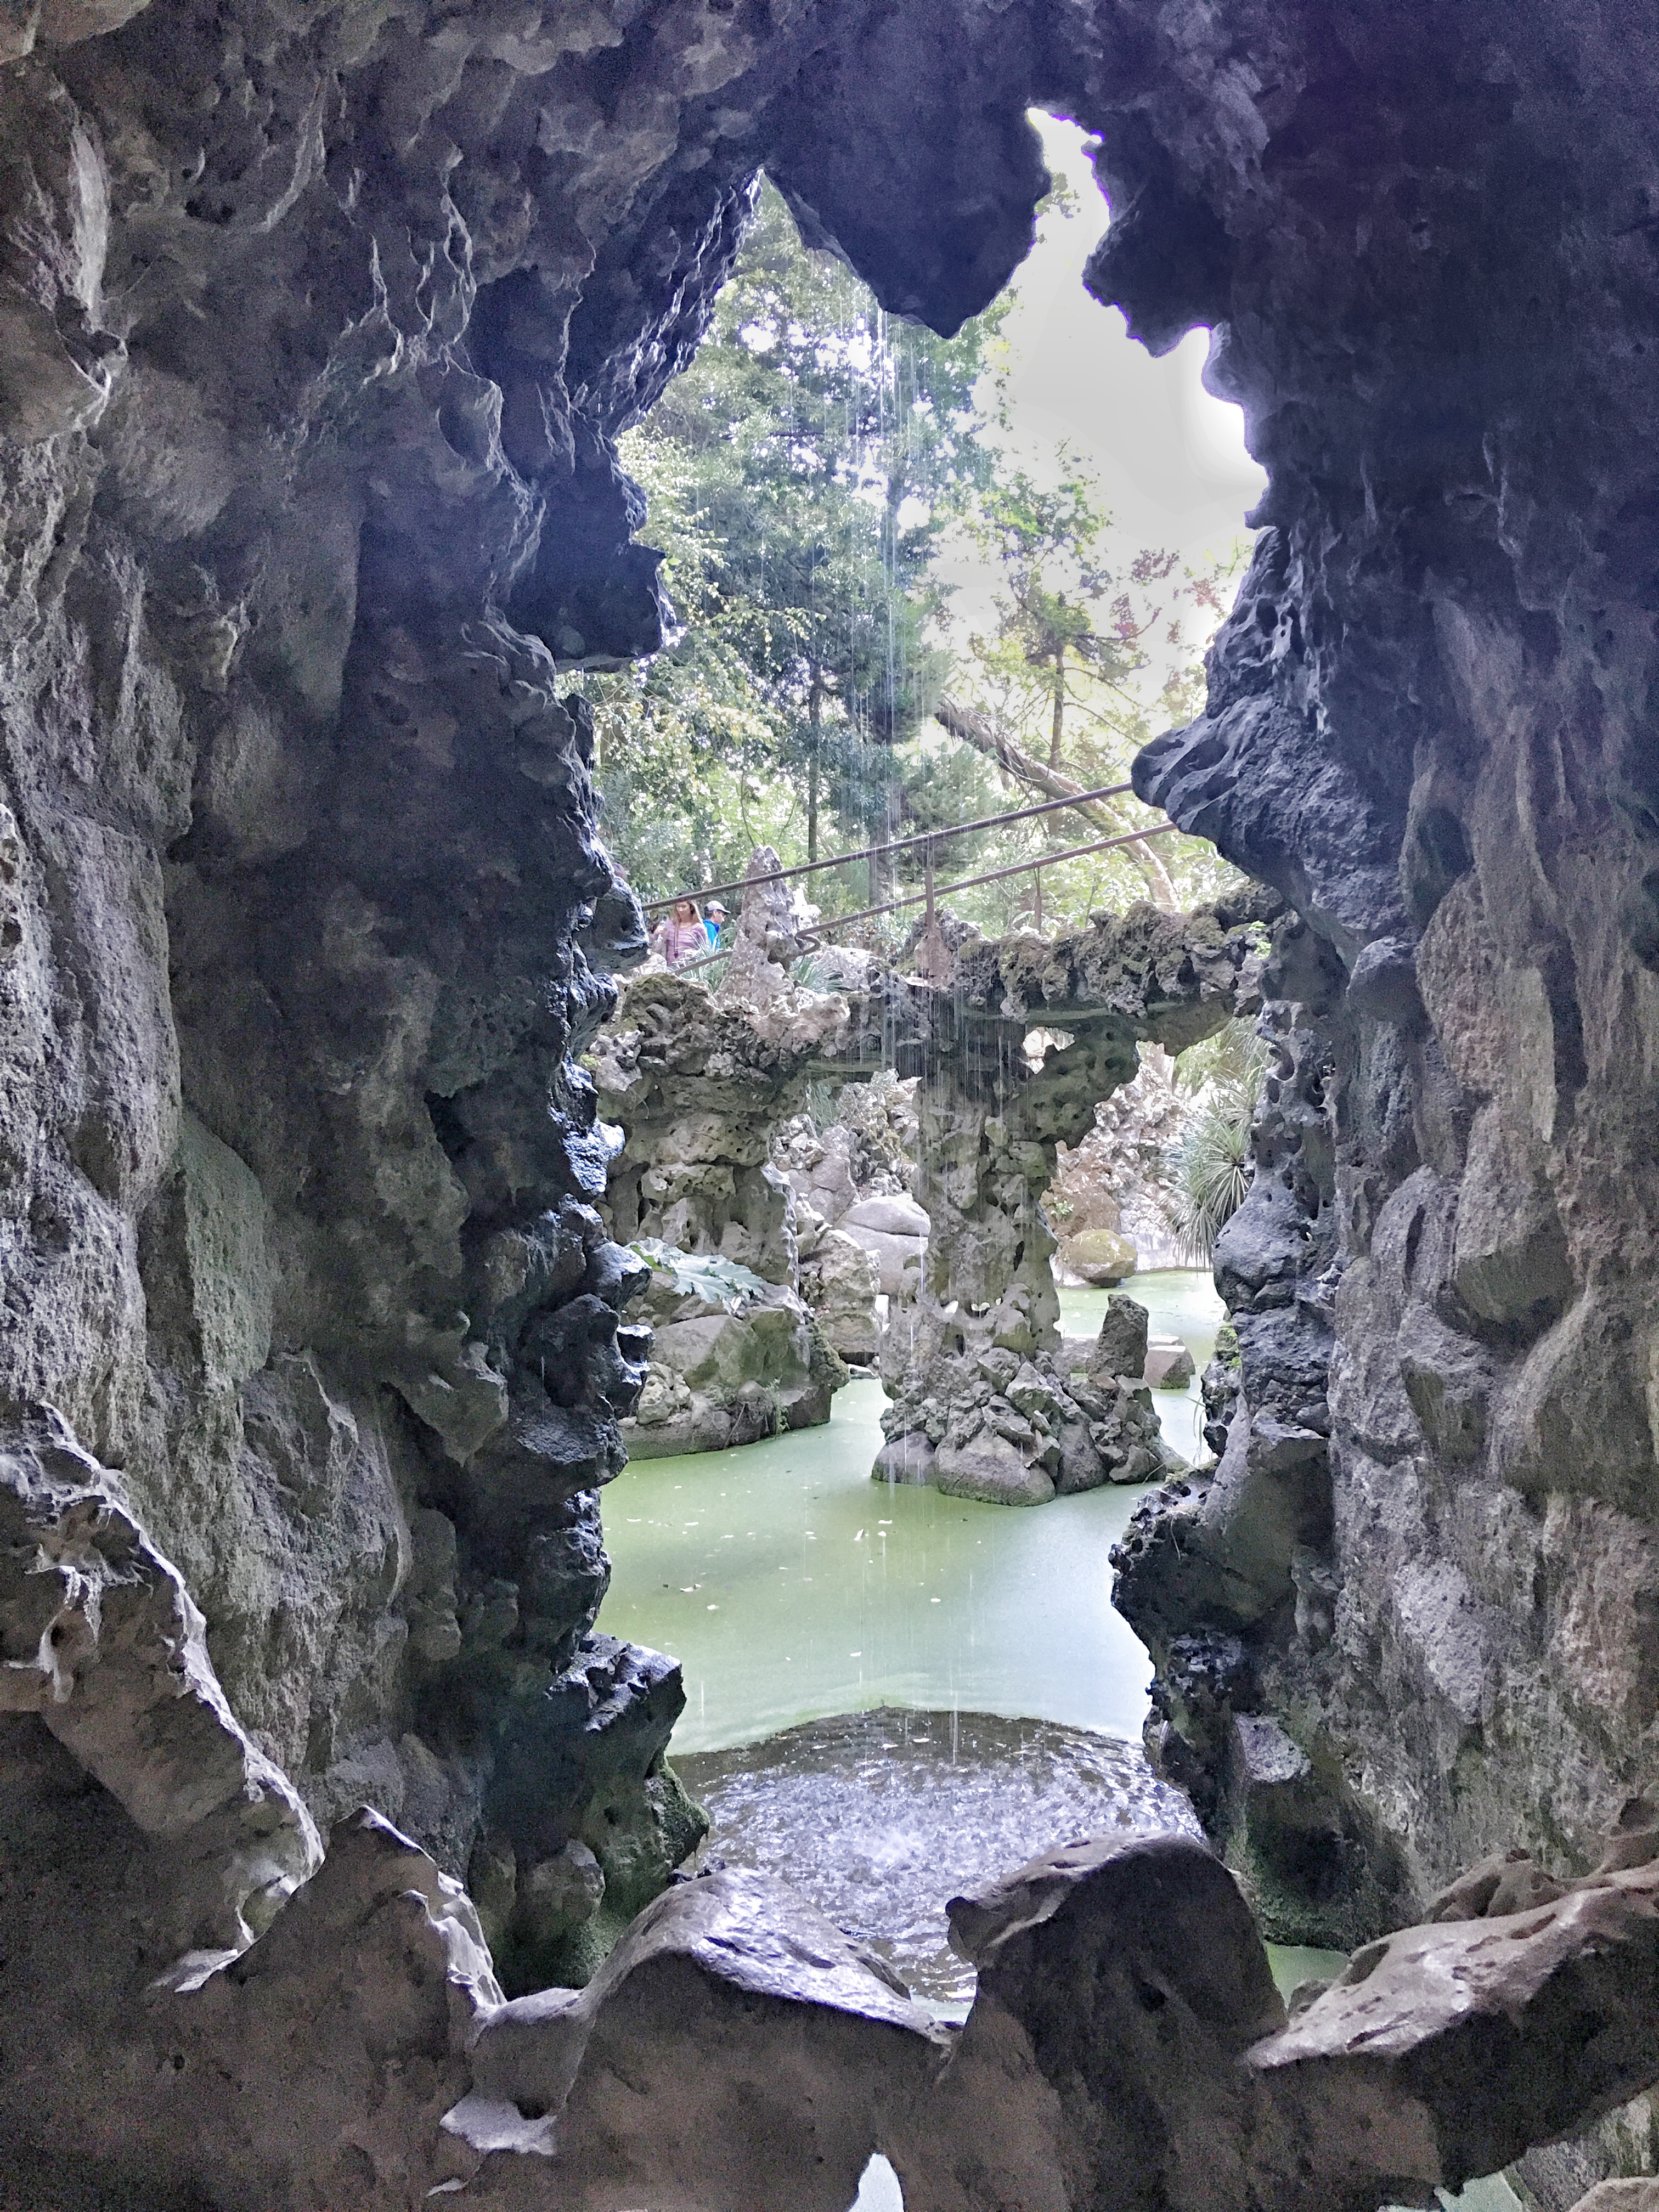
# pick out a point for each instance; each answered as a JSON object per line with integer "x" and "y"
{"x": 318, "y": 329}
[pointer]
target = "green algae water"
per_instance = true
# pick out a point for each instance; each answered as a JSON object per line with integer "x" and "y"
{"x": 791, "y": 1587}
{"x": 794, "y": 1589}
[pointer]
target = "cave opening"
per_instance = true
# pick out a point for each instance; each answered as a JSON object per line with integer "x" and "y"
{"x": 752, "y": 443}
{"x": 323, "y": 335}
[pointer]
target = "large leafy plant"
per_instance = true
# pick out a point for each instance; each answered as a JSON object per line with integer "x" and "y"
{"x": 707, "y": 1275}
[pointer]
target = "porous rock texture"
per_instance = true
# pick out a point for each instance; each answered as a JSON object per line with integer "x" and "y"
{"x": 315, "y": 328}
{"x": 984, "y": 1404}
{"x": 697, "y": 1084}
{"x": 1126, "y": 2042}
{"x": 1411, "y": 1620}
{"x": 971, "y": 1354}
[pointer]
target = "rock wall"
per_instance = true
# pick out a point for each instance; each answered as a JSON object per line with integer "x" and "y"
{"x": 1426, "y": 1566}
{"x": 315, "y": 331}
{"x": 696, "y": 1085}
{"x": 1015, "y": 1047}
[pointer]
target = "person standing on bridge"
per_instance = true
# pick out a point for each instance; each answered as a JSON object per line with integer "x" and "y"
{"x": 680, "y": 936}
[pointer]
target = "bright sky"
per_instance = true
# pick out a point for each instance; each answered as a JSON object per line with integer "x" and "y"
{"x": 1171, "y": 459}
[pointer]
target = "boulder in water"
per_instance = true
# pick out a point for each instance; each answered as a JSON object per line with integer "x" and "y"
{"x": 1120, "y": 1347}
{"x": 1168, "y": 1363}
{"x": 1099, "y": 1256}
{"x": 905, "y": 1459}
{"x": 988, "y": 1465}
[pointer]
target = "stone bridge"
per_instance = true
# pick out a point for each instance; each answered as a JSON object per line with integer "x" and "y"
{"x": 1014, "y": 1043}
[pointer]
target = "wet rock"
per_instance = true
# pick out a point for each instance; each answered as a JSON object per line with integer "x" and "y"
{"x": 988, "y": 1463}
{"x": 1100, "y": 1255}
{"x": 583, "y": 1776}
{"x": 905, "y": 1459}
{"x": 1133, "y": 2095}
{"x": 735, "y": 2048}
{"x": 1438, "y": 2051}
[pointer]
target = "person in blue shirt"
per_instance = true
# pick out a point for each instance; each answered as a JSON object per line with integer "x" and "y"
{"x": 713, "y": 921}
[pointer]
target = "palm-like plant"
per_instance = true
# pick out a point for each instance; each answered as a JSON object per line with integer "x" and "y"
{"x": 1210, "y": 1169}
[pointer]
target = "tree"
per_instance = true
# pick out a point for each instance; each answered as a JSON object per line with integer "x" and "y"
{"x": 806, "y": 476}
{"x": 798, "y": 476}
{"x": 1058, "y": 694}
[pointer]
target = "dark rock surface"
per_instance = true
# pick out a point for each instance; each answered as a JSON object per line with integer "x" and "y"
{"x": 1429, "y": 724}
{"x": 316, "y": 329}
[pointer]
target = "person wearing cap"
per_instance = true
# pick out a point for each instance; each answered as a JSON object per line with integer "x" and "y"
{"x": 713, "y": 921}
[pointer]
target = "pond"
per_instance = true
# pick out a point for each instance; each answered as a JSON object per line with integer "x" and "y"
{"x": 855, "y": 1653}
{"x": 790, "y": 1586}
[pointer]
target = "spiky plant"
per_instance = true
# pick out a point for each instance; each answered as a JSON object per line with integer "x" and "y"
{"x": 1210, "y": 1169}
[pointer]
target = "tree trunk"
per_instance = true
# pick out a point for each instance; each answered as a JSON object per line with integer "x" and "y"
{"x": 815, "y": 717}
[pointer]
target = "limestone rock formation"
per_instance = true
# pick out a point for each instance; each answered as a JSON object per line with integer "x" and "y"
{"x": 894, "y": 1232}
{"x": 841, "y": 1282}
{"x": 317, "y": 329}
{"x": 854, "y": 1176}
{"x": 1127, "y": 2044}
{"x": 697, "y": 1084}
{"x": 1115, "y": 1180}
{"x": 974, "y": 1369}
{"x": 736, "y": 2049}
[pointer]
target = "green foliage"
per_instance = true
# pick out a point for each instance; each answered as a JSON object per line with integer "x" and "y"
{"x": 807, "y": 477}
{"x": 799, "y": 475}
{"x": 1210, "y": 1168}
{"x": 1231, "y": 1061}
{"x": 715, "y": 1280}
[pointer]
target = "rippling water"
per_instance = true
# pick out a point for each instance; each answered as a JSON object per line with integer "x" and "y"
{"x": 880, "y": 1817}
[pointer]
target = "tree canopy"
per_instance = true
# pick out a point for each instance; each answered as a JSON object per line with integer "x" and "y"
{"x": 811, "y": 478}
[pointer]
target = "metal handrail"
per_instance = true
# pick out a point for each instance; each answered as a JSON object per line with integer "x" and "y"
{"x": 897, "y": 845}
{"x": 941, "y": 891}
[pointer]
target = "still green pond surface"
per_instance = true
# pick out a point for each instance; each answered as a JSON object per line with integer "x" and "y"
{"x": 790, "y": 1586}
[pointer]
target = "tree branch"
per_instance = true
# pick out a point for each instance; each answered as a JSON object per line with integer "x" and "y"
{"x": 978, "y": 730}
